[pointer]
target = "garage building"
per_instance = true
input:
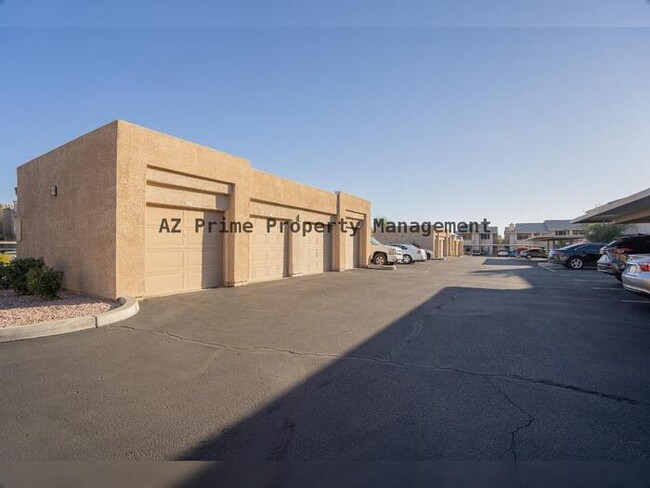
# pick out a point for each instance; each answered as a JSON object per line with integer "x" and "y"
{"x": 124, "y": 210}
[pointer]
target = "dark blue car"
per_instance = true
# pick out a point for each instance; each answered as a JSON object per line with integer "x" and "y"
{"x": 577, "y": 256}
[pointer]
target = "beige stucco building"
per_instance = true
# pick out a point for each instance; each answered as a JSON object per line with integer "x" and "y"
{"x": 442, "y": 244}
{"x": 125, "y": 210}
{"x": 482, "y": 241}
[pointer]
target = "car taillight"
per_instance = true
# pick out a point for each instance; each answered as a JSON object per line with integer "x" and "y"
{"x": 644, "y": 266}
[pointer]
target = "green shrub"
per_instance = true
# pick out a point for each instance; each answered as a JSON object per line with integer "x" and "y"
{"x": 44, "y": 282}
{"x": 17, "y": 273}
{"x": 4, "y": 277}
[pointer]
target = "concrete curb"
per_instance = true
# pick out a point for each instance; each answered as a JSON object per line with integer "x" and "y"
{"x": 386, "y": 267}
{"x": 128, "y": 308}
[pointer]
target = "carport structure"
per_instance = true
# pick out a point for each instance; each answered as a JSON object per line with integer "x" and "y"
{"x": 633, "y": 209}
{"x": 551, "y": 240}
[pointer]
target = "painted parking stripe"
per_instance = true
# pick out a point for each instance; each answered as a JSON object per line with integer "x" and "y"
{"x": 607, "y": 288}
{"x": 547, "y": 268}
{"x": 593, "y": 281}
{"x": 636, "y": 301}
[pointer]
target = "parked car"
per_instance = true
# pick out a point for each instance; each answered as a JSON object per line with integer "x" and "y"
{"x": 476, "y": 253}
{"x": 615, "y": 254}
{"x": 383, "y": 254}
{"x": 534, "y": 253}
{"x": 428, "y": 252}
{"x": 636, "y": 276}
{"x": 410, "y": 253}
{"x": 519, "y": 250}
{"x": 512, "y": 254}
{"x": 577, "y": 256}
{"x": 502, "y": 253}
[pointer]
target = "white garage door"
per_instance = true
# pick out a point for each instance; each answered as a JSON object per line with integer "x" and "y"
{"x": 269, "y": 252}
{"x": 181, "y": 259}
{"x": 316, "y": 252}
{"x": 352, "y": 250}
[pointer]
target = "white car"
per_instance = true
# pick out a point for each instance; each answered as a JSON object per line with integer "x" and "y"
{"x": 428, "y": 252}
{"x": 410, "y": 253}
{"x": 502, "y": 253}
{"x": 383, "y": 254}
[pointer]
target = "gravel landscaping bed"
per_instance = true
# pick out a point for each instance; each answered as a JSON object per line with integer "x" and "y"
{"x": 23, "y": 310}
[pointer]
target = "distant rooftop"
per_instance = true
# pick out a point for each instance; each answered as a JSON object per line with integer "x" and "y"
{"x": 546, "y": 226}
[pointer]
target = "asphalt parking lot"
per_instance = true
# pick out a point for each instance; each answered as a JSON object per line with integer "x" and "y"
{"x": 473, "y": 358}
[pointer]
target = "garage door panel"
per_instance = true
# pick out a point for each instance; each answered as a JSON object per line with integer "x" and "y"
{"x": 316, "y": 252}
{"x": 202, "y": 257}
{"x": 201, "y": 239}
{"x": 154, "y": 215}
{"x": 163, "y": 240}
{"x": 184, "y": 261}
{"x": 201, "y": 278}
{"x": 352, "y": 252}
{"x": 158, "y": 283}
{"x": 268, "y": 252}
{"x": 163, "y": 260}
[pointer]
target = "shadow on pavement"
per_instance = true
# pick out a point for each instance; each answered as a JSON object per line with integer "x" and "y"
{"x": 455, "y": 379}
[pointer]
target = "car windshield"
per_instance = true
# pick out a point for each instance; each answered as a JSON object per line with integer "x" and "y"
{"x": 375, "y": 242}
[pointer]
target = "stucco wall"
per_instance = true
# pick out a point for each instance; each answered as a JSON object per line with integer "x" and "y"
{"x": 75, "y": 230}
{"x": 352, "y": 207}
{"x": 95, "y": 228}
{"x": 266, "y": 187}
{"x": 138, "y": 148}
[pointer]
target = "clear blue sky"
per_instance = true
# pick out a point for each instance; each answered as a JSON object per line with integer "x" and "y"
{"x": 511, "y": 110}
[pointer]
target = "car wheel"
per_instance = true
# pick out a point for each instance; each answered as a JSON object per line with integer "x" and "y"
{"x": 380, "y": 259}
{"x": 528, "y": 256}
{"x": 576, "y": 263}
{"x": 407, "y": 259}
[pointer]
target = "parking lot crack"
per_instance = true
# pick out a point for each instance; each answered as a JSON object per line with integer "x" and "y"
{"x": 519, "y": 428}
{"x": 577, "y": 389}
{"x": 416, "y": 330}
{"x": 408, "y": 338}
{"x": 263, "y": 349}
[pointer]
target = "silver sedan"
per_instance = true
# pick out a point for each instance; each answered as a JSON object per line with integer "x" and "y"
{"x": 636, "y": 276}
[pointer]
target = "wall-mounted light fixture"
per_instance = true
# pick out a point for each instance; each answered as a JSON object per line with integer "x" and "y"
{"x": 53, "y": 190}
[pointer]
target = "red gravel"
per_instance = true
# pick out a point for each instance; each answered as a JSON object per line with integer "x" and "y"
{"x": 23, "y": 310}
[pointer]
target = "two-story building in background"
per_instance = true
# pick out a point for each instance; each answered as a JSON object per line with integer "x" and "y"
{"x": 558, "y": 232}
{"x": 7, "y": 222}
{"x": 487, "y": 243}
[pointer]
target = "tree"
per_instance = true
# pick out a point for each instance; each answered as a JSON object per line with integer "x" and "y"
{"x": 604, "y": 232}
